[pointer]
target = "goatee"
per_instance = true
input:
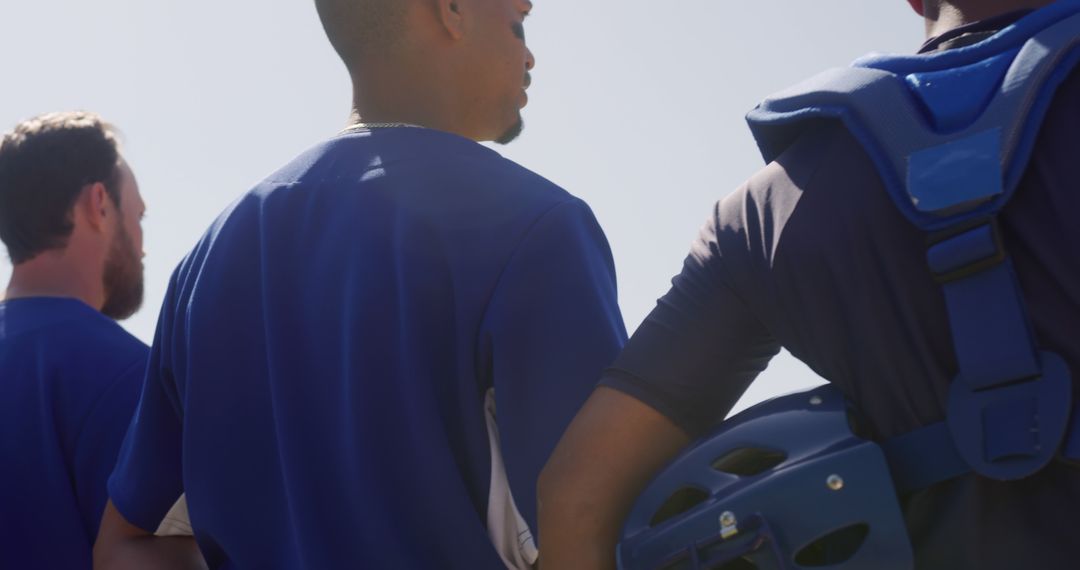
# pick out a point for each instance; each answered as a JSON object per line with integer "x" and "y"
{"x": 512, "y": 133}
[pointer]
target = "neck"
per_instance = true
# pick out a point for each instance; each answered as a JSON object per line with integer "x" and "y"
{"x": 52, "y": 274}
{"x": 944, "y": 15}
{"x": 382, "y": 93}
{"x": 411, "y": 105}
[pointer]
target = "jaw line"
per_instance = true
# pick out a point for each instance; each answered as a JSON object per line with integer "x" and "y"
{"x": 511, "y": 133}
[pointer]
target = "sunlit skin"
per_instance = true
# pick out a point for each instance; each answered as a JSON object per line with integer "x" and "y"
{"x": 590, "y": 483}
{"x": 943, "y": 16}
{"x": 78, "y": 269}
{"x": 462, "y": 67}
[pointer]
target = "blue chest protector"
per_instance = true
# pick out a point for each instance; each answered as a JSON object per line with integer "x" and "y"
{"x": 951, "y": 148}
{"x": 787, "y": 484}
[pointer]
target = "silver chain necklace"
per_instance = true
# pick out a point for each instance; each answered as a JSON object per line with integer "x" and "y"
{"x": 371, "y": 126}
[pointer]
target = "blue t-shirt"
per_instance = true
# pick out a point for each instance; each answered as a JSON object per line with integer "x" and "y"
{"x": 317, "y": 381}
{"x": 69, "y": 380}
{"x": 812, "y": 255}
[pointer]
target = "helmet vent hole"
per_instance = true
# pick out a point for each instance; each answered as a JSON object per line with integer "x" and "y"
{"x": 749, "y": 461}
{"x": 678, "y": 503}
{"x": 836, "y": 547}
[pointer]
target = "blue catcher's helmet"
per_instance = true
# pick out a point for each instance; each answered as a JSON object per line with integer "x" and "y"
{"x": 785, "y": 485}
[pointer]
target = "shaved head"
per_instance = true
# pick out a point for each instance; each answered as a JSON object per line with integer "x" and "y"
{"x": 360, "y": 28}
{"x": 459, "y": 66}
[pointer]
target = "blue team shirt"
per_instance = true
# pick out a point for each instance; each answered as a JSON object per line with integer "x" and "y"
{"x": 69, "y": 380}
{"x": 317, "y": 381}
{"x": 812, "y": 255}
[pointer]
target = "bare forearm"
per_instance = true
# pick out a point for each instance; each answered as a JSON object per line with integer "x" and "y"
{"x": 123, "y": 546}
{"x": 160, "y": 553}
{"x": 608, "y": 454}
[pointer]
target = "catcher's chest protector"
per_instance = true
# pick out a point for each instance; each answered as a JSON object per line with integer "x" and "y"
{"x": 951, "y": 135}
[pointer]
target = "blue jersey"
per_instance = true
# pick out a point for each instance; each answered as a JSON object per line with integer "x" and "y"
{"x": 813, "y": 255}
{"x": 318, "y": 378}
{"x": 69, "y": 380}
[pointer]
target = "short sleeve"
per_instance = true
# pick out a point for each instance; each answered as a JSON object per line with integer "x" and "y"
{"x": 696, "y": 353}
{"x": 551, "y": 328}
{"x": 147, "y": 480}
{"x": 99, "y": 442}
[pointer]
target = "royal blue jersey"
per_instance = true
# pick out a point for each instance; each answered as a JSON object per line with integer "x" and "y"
{"x": 69, "y": 380}
{"x": 317, "y": 381}
{"x": 813, "y": 255}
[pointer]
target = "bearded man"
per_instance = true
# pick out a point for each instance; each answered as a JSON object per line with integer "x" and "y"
{"x": 70, "y": 214}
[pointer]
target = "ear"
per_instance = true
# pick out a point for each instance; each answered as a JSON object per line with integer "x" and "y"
{"x": 451, "y": 17}
{"x": 96, "y": 206}
{"x": 917, "y": 5}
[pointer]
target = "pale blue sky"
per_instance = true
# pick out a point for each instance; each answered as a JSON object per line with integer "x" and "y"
{"x": 637, "y": 107}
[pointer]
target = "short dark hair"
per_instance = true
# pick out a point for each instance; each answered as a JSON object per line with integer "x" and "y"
{"x": 359, "y": 28}
{"x": 45, "y": 162}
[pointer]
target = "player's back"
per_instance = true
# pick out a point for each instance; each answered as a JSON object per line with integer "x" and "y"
{"x": 69, "y": 379}
{"x": 839, "y": 277}
{"x": 325, "y": 339}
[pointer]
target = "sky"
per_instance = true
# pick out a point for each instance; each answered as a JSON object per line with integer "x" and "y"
{"x": 636, "y": 107}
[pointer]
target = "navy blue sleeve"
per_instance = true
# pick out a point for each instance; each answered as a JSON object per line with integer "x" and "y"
{"x": 552, "y": 326}
{"x": 147, "y": 480}
{"x": 99, "y": 441}
{"x": 696, "y": 353}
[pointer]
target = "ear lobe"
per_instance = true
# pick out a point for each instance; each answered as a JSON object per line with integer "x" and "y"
{"x": 450, "y": 14}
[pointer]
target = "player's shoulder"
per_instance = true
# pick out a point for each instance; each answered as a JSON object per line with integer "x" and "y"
{"x": 461, "y": 163}
{"x": 62, "y": 321}
{"x": 826, "y": 166}
{"x": 76, "y": 344}
{"x": 805, "y": 205}
{"x": 104, "y": 341}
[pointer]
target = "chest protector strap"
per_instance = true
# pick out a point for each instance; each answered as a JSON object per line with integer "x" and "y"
{"x": 951, "y": 135}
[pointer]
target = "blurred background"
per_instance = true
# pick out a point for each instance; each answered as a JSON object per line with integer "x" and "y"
{"x": 637, "y": 107}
